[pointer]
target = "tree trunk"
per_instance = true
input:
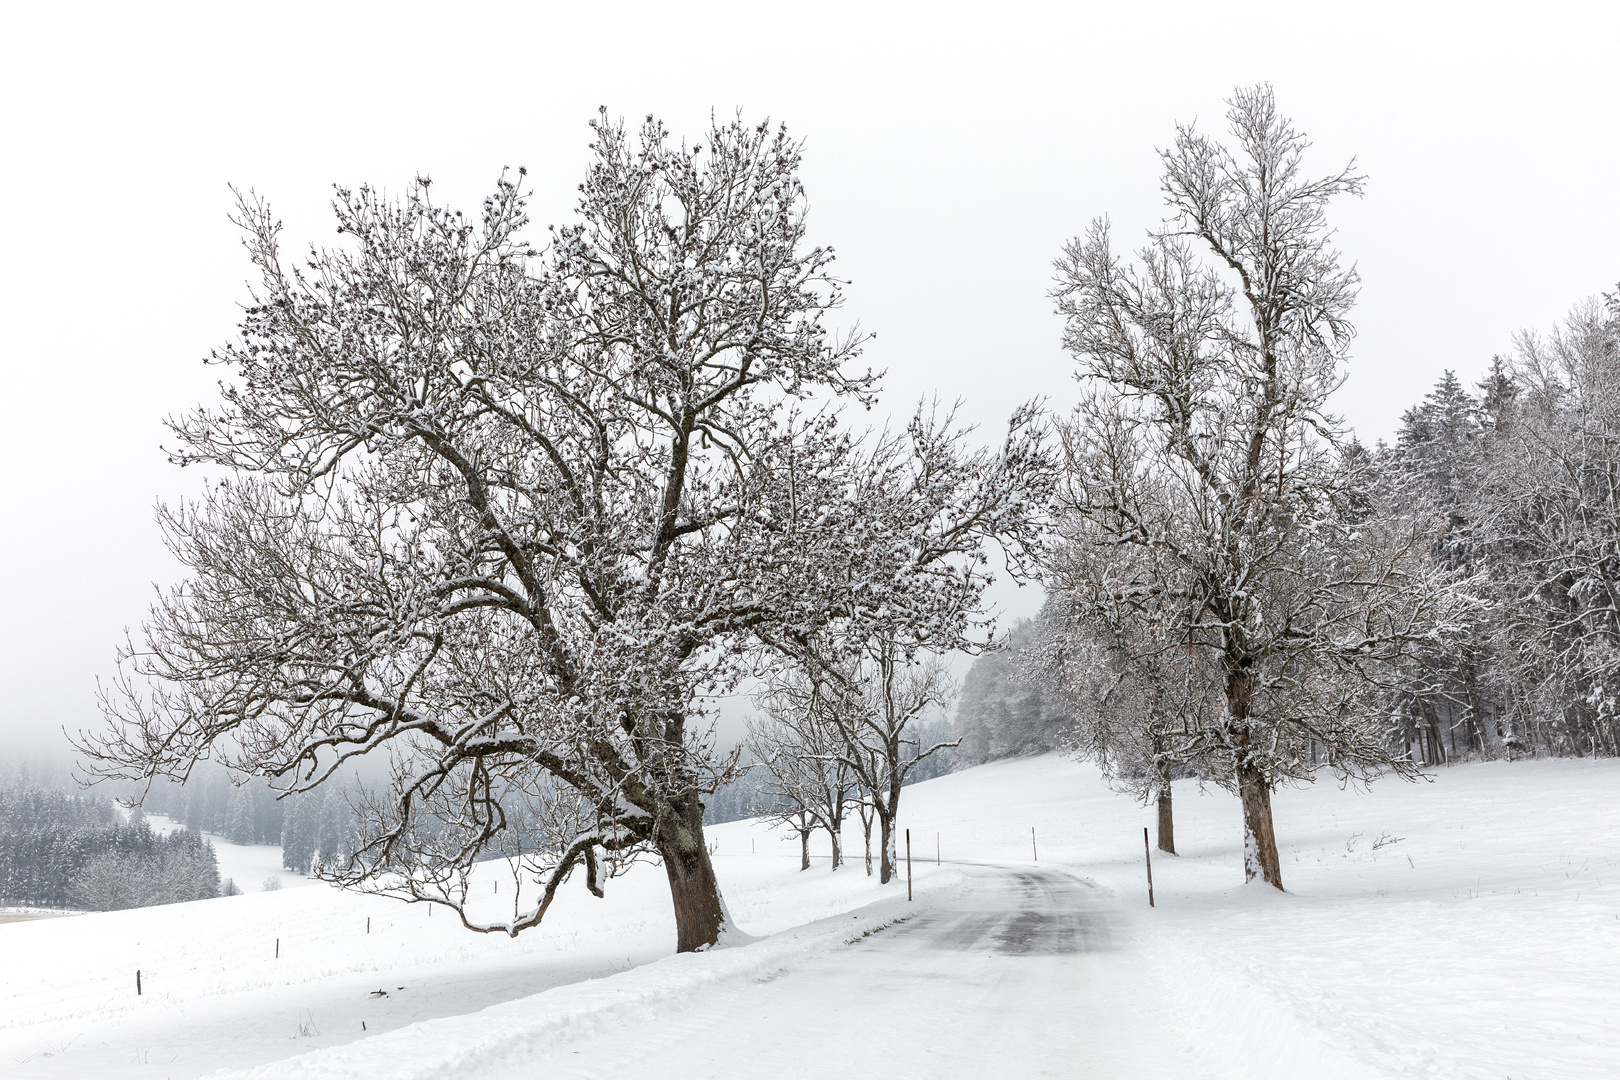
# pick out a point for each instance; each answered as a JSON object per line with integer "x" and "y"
{"x": 836, "y": 830}
{"x": 804, "y": 849}
{"x": 1167, "y": 822}
{"x": 886, "y": 855}
{"x": 1474, "y": 710}
{"x": 699, "y": 915}
{"x": 1259, "y": 839}
{"x": 866, "y": 826}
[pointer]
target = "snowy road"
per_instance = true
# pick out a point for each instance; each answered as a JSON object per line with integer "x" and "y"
{"x": 1018, "y": 912}
{"x": 1467, "y": 927}
{"x": 1018, "y": 964}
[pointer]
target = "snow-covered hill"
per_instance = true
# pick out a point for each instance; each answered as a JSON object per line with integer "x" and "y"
{"x": 1468, "y": 926}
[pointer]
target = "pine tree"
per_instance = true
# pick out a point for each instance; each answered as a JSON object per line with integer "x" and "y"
{"x": 1436, "y": 467}
{"x": 240, "y": 827}
{"x": 298, "y": 833}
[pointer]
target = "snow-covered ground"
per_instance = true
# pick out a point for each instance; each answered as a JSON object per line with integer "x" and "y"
{"x": 251, "y": 866}
{"x": 1464, "y": 927}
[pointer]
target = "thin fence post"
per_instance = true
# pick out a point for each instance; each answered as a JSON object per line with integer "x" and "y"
{"x": 1033, "y": 849}
{"x": 368, "y": 924}
{"x": 1148, "y": 851}
{"x": 137, "y": 982}
{"x": 278, "y": 948}
{"x": 908, "y": 865}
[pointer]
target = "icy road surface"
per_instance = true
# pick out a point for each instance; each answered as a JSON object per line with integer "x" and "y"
{"x": 1014, "y": 965}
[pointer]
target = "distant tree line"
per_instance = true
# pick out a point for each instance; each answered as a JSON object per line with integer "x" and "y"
{"x": 1000, "y": 713}
{"x": 208, "y": 802}
{"x": 312, "y": 827}
{"x": 1521, "y": 480}
{"x": 60, "y": 850}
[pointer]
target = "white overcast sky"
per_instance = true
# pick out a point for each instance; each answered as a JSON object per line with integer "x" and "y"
{"x": 950, "y": 150}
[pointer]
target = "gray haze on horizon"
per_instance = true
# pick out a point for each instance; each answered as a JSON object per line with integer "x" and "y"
{"x": 947, "y": 159}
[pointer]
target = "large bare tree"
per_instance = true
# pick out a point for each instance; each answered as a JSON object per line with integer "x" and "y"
{"x": 507, "y": 517}
{"x": 1203, "y": 452}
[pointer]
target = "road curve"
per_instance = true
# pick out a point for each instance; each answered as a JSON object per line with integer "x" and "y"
{"x": 1023, "y": 971}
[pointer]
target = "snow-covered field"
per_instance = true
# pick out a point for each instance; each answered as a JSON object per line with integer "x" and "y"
{"x": 1466, "y": 927}
{"x": 251, "y": 866}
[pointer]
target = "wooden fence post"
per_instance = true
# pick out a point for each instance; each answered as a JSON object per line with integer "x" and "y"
{"x": 1148, "y": 851}
{"x": 908, "y": 866}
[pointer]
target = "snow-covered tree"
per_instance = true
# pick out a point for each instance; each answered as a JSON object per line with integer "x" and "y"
{"x": 1436, "y": 467}
{"x": 510, "y": 517}
{"x": 1203, "y": 452}
{"x": 875, "y": 703}
{"x": 241, "y": 826}
{"x": 781, "y": 799}
{"x": 144, "y": 869}
{"x": 335, "y": 840}
{"x": 799, "y": 750}
{"x": 300, "y": 835}
{"x": 1549, "y": 509}
{"x": 912, "y": 567}
{"x": 1132, "y": 693}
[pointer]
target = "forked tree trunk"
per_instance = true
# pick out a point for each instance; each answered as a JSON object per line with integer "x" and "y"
{"x": 699, "y": 915}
